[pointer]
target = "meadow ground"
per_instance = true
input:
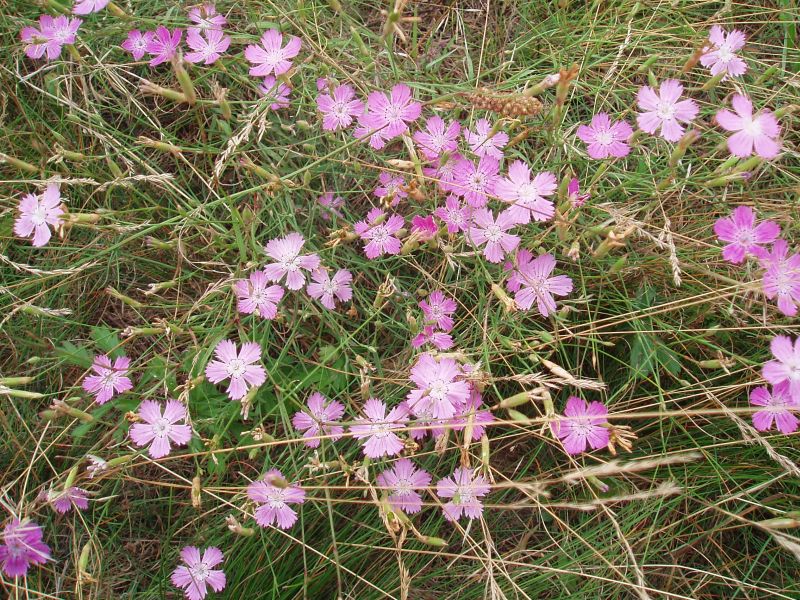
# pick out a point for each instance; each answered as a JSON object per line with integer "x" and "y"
{"x": 171, "y": 203}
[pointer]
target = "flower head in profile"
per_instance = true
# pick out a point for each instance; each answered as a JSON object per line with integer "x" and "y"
{"x": 339, "y": 108}
{"x": 271, "y": 57}
{"x": 380, "y": 428}
{"x": 319, "y": 419}
{"x": 536, "y": 283}
{"x": 438, "y": 309}
{"x": 274, "y": 494}
{"x": 206, "y": 16}
{"x": 785, "y": 367}
{"x": 437, "y": 138}
{"x": 137, "y": 43}
{"x": 21, "y": 547}
{"x": 37, "y": 213}
{"x": 275, "y": 90}
{"x": 289, "y": 262}
{"x": 379, "y": 233}
{"x": 528, "y": 198}
{"x": 85, "y": 7}
{"x": 404, "y": 481}
{"x": 665, "y": 110}
{"x": 59, "y": 31}
{"x": 485, "y": 143}
{"x": 493, "y": 233}
{"x": 720, "y": 56}
{"x": 436, "y": 338}
{"x": 108, "y": 379}
{"x": 440, "y": 391}
{"x": 582, "y": 425}
{"x": 197, "y": 572}
{"x": 64, "y": 500}
{"x": 242, "y": 367}
{"x": 391, "y": 113}
{"x": 753, "y": 134}
{"x": 207, "y": 45}
{"x": 160, "y": 429}
{"x": 330, "y": 205}
{"x": 464, "y": 487}
{"x": 454, "y": 214}
{"x": 424, "y": 228}
{"x": 574, "y": 193}
{"x": 477, "y": 182}
{"x": 744, "y": 238}
{"x": 329, "y": 289}
{"x": 390, "y": 189}
{"x": 163, "y": 46}
{"x": 778, "y": 409}
{"x": 781, "y": 277}
{"x": 606, "y": 138}
{"x": 255, "y": 295}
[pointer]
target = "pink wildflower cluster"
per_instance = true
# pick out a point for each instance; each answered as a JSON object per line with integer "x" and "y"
{"x": 780, "y": 404}
{"x": 52, "y": 34}
{"x": 437, "y": 311}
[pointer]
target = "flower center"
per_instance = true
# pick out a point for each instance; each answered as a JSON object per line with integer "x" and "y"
{"x": 110, "y": 379}
{"x": 438, "y": 390}
{"x": 274, "y": 56}
{"x": 276, "y": 499}
{"x": 724, "y": 53}
{"x": 161, "y": 427}
{"x": 329, "y": 287}
{"x": 752, "y": 128}
{"x": 604, "y": 138}
{"x": 528, "y": 192}
{"x": 340, "y": 109}
{"x": 666, "y": 110}
{"x": 236, "y": 367}
{"x": 477, "y": 181}
{"x": 199, "y": 572}
{"x": 493, "y": 233}
{"x": 392, "y": 114}
{"x": 403, "y": 487}
{"x": 38, "y": 216}
{"x": 380, "y": 235}
{"x": 463, "y": 495}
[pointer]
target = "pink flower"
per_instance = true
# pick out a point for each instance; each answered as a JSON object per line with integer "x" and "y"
{"x": 391, "y": 188}
{"x": 328, "y": 289}
{"x": 465, "y": 487}
{"x": 404, "y": 480}
{"x": 206, "y": 17}
{"x": 445, "y": 172}
{"x": 379, "y": 235}
{"x": 109, "y": 378}
{"x": 582, "y": 424}
{"x": 255, "y": 295}
{"x": 537, "y": 285}
{"x": 22, "y": 546}
{"x": 721, "y": 56}
{"x": 430, "y": 335}
{"x": 454, "y": 214}
{"x": 486, "y": 230}
{"x": 208, "y": 45}
{"x": 665, "y": 110}
{"x": 240, "y": 367}
{"x": 37, "y": 213}
{"x": 289, "y": 262}
{"x": 63, "y": 501}
{"x": 319, "y": 419}
{"x": 196, "y": 573}
{"x": 484, "y": 144}
{"x": 138, "y": 42}
{"x": 339, "y": 108}
{"x": 527, "y": 198}
{"x": 391, "y": 113}
{"x": 438, "y": 309}
{"x": 786, "y": 366}
{"x": 60, "y": 31}
{"x": 437, "y": 137}
{"x": 331, "y": 205}
{"x": 274, "y": 494}
{"x": 440, "y": 391}
{"x": 471, "y": 410}
{"x": 37, "y": 43}
{"x": 271, "y": 57}
{"x": 477, "y": 182}
{"x": 379, "y": 429}
{"x": 278, "y": 92}
{"x": 574, "y": 193}
{"x": 163, "y": 46}
{"x": 85, "y": 7}
{"x": 782, "y": 277}
{"x": 605, "y": 138}
{"x": 778, "y": 406}
{"x": 160, "y": 428}
{"x": 754, "y": 134}
{"x": 425, "y": 228}
{"x": 368, "y": 130}
{"x": 744, "y": 237}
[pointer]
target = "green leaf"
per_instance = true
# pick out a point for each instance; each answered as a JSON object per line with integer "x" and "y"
{"x": 74, "y": 355}
{"x": 108, "y": 341}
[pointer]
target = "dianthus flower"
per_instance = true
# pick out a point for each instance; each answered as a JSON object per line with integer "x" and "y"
{"x": 483, "y": 142}
{"x": 241, "y": 367}
{"x": 274, "y": 494}
{"x": 380, "y": 428}
{"x": 753, "y": 134}
{"x": 477, "y": 182}
{"x": 444, "y": 172}
{"x": 454, "y": 214}
{"x": 330, "y": 205}
{"x": 37, "y": 213}
{"x": 379, "y": 235}
{"x": 391, "y": 113}
{"x": 163, "y": 46}
{"x": 390, "y": 189}
{"x": 255, "y": 295}
{"x": 574, "y": 193}
{"x": 62, "y": 501}
{"x": 721, "y": 56}
{"x": 537, "y": 285}
{"x": 438, "y": 309}
{"x": 275, "y": 90}
{"x": 785, "y": 368}
{"x": 424, "y": 228}
{"x": 437, "y": 138}
{"x": 319, "y": 420}
{"x": 471, "y": 411}
{"x": 430, "y": 335}
{"x": 289, "y": 262}
{"x": 404, "y": 482}
{"x": 21, "y": 547}
{"x": 329, "y": 289}
{"x": 781, "y": 277}
{"x": 485, "y": 229}
{"x": 528, "y": 198}
{"x": 196, "y": 573}
{"x": 665, "y": 110}
{"x": 464, "y": 487}
{"x": 605, "y": 138}
{"x": 205, "y": 16}
{"x": 440, "y": 389}
{"x": 582, "y": 425}
{"x": 778, "y": 406}
{"x": 208, "y": 45}
{"x": 109, "y": 378}
{"x": 138, "y": 42}
{"x": 272, "y": 57}
{"x": 744, "y": 237}
{"x": 85, "y": 7}
{"x": 159, "y": 428}
{"x": 339, "y": 108}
